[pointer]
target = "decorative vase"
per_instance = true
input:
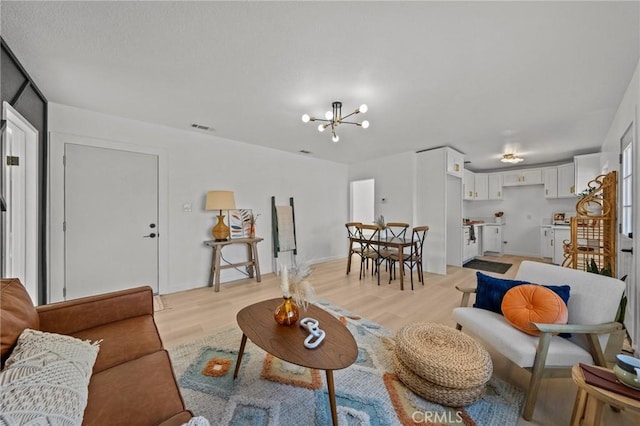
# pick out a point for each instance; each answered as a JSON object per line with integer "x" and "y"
{"x": 287, "y": 312}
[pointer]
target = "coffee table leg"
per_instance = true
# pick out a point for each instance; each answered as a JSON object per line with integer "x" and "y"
{"x": 332, "y": 397}
{"x": 240, "y": 353}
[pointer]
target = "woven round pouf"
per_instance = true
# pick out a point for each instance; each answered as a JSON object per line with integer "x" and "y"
{"x": 451, "y": 397}
{"x": 442, "y": 356}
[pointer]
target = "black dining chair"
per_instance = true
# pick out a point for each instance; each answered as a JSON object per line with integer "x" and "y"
{"x": 371, "y": 248}
{"x": 356, "y": 247}
{"x": 413, "y": 259}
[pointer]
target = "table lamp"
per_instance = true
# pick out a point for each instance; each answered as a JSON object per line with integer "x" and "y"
{"x": 220, "y": 200}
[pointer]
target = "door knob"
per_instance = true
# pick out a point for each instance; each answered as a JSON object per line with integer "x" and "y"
{"x": 151, "y": 235}
{"x": 153, "y": 225}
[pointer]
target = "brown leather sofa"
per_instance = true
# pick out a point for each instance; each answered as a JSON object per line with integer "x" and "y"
{"x": 132, "y": 382}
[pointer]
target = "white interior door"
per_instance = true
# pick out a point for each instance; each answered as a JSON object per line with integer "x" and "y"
{"x": 19, "y": 187}
{"x": 111, "y": 220}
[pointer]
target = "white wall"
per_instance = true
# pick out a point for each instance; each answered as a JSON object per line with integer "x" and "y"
{"x": 196, "y": 162}
{"x": 394, "y": 180}
{"x": 525, "y": 208}
{"x": 628, "y": 112}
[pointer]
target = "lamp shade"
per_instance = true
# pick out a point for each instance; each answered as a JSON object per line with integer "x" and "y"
{"x": 220, "y": 200}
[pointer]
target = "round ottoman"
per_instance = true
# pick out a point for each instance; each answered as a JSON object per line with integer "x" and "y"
{"x": 441, "y": 364}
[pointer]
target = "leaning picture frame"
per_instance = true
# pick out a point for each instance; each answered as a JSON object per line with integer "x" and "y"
{"x": 239, "y": 223}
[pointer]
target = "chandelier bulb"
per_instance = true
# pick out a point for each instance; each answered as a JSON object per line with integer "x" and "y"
{"x": 321, "y": 127}
{"x": 306, "y": 118}
{"x": 329, "y": 115}
{"x": 363, "y": 108}
{"x": 335, "y": 138}
{"x": 365, "y": 124}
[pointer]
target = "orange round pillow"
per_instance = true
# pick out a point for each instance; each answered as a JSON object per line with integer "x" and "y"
{"x": 527, "y": 303}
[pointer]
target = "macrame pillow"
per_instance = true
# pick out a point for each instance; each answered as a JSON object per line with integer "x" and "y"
{"x": 46, "y": 379}
{"x": 529, "y": 303}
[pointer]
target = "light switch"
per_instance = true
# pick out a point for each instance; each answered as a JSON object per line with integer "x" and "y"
{"x": 186, "y": 207}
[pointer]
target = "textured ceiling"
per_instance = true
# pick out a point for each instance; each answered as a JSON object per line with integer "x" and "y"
{"x": 543, "y": 79}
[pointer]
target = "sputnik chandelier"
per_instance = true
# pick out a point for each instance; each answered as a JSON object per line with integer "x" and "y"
{"x": 334, "y": 117}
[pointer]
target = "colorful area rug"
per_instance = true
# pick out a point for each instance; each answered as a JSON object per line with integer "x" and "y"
{"x": 486, "y": 265}
{"x": 269, "y": 391}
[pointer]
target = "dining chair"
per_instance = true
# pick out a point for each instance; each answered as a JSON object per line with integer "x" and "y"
{"x": 414, "y": 258}
{"x": 370, "y": 248}
{"x": 354, "y": 248}
{"x": 394, "y": 230}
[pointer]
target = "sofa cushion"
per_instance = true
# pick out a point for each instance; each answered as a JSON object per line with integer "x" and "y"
{"x": 123, "y": 340}
{"x": 139, "y": 392}
{"x": 528, "y": 303}
{"x": 46, "y": 379}
{"x": 594, "y": 298}
{"x": 16, "y": 314}
{"x": 494, "y": 331}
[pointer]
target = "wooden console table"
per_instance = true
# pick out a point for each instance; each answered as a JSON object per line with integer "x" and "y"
{"x": 252, "y": 258}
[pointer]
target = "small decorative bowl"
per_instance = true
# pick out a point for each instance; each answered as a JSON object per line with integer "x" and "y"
{"x": 627, "y": 370}
{"x": 628, "y": 363}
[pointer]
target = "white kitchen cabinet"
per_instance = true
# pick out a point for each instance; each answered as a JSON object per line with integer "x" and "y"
{"x": 470, "y": 249}
{"x": 546, "y": 242}
{"x": 566, "y": 181}
{"x": 495, "y": 186}
{"x": 522, "y": 177}
{"x": 550, "y": 178}
{"x": 560, "y": 234}
{"x": 587, "y": 168}
{"x": 492, "y": 238}
{"x": 475, "y": 186}
{"x": 482, "y": 186}
{"x": 468, "y": 185}
{"x": 455, "y": 162}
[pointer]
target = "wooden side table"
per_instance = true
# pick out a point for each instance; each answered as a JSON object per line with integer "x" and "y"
{"x": 587, "y": 410}
{"x": 252, "y": 258}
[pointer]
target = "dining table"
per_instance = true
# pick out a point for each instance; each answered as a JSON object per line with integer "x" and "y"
{"x": 389, "y": 242}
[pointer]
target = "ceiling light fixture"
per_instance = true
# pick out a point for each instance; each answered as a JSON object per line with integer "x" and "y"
{"x": 334, "y": 117}
{"x": 511, "y": 158}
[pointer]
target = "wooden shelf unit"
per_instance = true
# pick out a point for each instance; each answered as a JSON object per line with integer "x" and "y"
{"x": 593, "y": 229}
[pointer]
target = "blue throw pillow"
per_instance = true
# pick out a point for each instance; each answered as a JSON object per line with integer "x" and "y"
{"x": 491, "y": 290}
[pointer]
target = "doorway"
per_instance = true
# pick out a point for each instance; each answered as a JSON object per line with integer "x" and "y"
{"x": 111, "y": 228}
{"x": 18, "y": 177}
{"x": 362, "y": 203}
{"x": 628, "y": 209}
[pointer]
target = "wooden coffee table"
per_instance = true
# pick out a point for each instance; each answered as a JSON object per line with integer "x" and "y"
{"x": 337, "y": 351}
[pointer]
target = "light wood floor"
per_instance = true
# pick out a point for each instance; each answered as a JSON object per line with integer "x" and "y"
{"x": 196, "y": 313}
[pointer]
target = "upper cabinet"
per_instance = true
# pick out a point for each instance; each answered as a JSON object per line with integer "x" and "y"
{"x": 455, "y": 162}
{"x": 482, "y": 186}
{"x": 468, "y": 185}
{"x": 475, "y": 186}
{"x": 522, "y": 177}
{"x": 550, "y": 178}
{"x": 587, "y": 168}
{"x": 558, "y": 181}
{"x": 566, "y": 181}
{"x": 495, "y": 186}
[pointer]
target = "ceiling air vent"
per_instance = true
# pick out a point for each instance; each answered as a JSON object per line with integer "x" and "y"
{"x": 203, "y": 127}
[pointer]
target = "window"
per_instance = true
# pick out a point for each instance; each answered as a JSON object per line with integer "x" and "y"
{"x": 626, "y": 182}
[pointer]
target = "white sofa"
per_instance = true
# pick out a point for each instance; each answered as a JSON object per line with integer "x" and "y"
{"x": 592, "y": 307}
